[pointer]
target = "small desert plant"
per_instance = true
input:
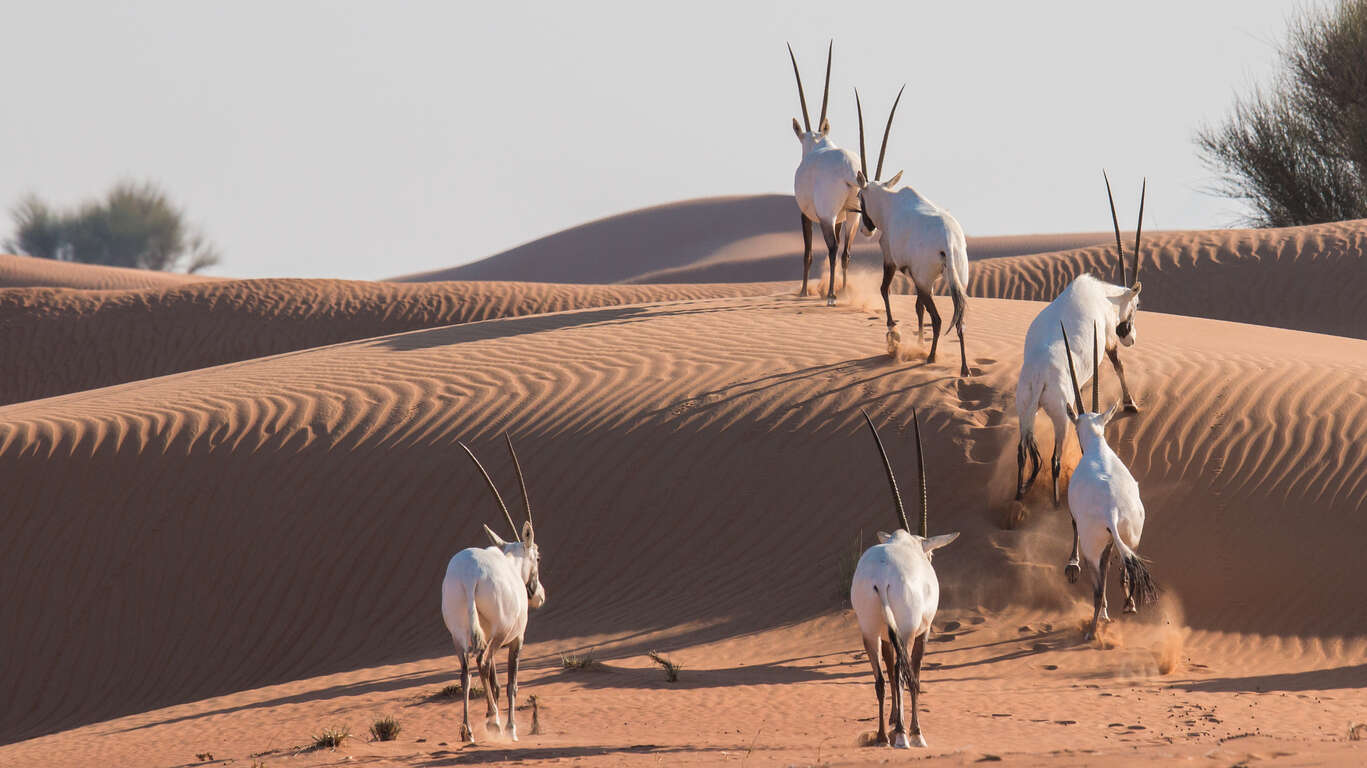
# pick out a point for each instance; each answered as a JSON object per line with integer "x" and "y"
{"x": 849, "y": 560}
{"x": 204, "y": 757}
{"x": 453, "y": 691}
{"x": 536, "y": 714}
{"x": 578, "y": 660}
{"x": 385, "y": 729}
{"x": 1357, "y": 732}
{"x": 671, "y": 668}
{"x": 330, "y": 738}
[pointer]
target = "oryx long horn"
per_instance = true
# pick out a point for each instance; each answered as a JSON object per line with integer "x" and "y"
{"x": 887, "y": 465}
{"x": 1142, "y": 192}
{"x": 494, "y": 490}
{"x": 878, "y": 171}
{"x": 1096, "y": 376}
{"x": 806, "y": 119}
{"x": 921, "y": 473}
{"x": 526, "y": 499}
{"x": 863, "y": 158}
{"x": 1072, "y": 374}
{"x": 1116, "y": 223}
{"x": 826, "y": 91}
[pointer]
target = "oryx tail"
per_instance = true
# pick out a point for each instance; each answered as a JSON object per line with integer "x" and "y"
{"x": 956, "y": 274}
{"x": 899, "y": 642}
{"x": 1136, "y": 568}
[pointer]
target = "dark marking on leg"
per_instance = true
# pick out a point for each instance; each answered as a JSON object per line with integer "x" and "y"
{"x": 934, "y": 322}
{"x": 918, "y": 651}
{"x": 1073, "y": 569}
{"x": 1099, "y": 596}
{"x": 1114, "y": 354}
{"x": 832, "y": 248}
{"x": 514, "y": 651}
{"x": 873, "y": 649}
{"x": 806, "y": 251}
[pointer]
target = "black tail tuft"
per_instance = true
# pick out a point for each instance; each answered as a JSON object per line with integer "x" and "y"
{"x": 1141, "y": 581}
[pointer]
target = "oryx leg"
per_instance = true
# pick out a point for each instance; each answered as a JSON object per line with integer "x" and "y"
{"x": 851, "y": 226}
{"x": 925, "y": 296}
{"x": 806, "y": 251}
{"x": 1099, "y": 598}
{"x": 894, "y": 338}
{"x": 1073, "y": 569}
{"x": 1060, "y": 420}
{"x": 1114, "y": 354}
{"x": 1129, "y": 591}
{"x": 891, "y": 659}
{"x": 918, "y": 651}
{"x": 1026, "y": 444}
{"x": 488, "y": 676}
{"x": 963, "y": 353}
{"x": 467, "y": 734}
{"x": 514, "y": 650}
{"x": 832, "y": 249}
{"x": 873, "y": 647}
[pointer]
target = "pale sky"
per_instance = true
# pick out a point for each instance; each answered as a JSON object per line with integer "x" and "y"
{"x": 365, "y": 140}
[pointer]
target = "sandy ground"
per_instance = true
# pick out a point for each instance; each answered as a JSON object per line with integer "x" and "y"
{"x": 225, "y": 560}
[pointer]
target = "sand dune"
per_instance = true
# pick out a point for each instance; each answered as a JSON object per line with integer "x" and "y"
{"x": 25, "y": 271}
{"x": 277, "y": 519}
{"x": 1306, "y": 278}
{"x": 752, "y": 238}
{"x": 58, "y": 340}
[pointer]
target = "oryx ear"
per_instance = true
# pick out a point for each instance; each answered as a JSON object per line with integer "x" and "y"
{"x": 494, "y": 537}
{"x": 825, "y": 127}
{"x": 1110, "y": 413}
{"x": 859, "y": 177}
{"x": 1072, "y": 414}
{"x": 883, "y": 537}
{"x": 527, "y": 533}
{"x": 1136, "y": 288}
{"x": 893, "y": 181}
{"x": 797, "y": 128}
{"x": 935, "y": 542}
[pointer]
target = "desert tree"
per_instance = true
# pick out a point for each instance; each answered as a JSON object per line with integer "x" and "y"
{"x": 1296, "y": 151}
{"x": 133, "y": 225}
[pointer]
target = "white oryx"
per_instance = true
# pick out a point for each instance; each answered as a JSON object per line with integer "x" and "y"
{"x": 484, "y": 601}
{"x": 895, "y": 595}
{"x": 824, "y": 185}
{"x": 917, "y": 237}
{"x": 1103, "y": 498}
{"x": 1043, "y": 383}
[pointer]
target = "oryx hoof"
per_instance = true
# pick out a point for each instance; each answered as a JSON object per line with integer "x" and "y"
{"x": 466, "y": 734}
{"x": 900, "y": 741}
{"x": 511, "y": 733}
{"x": 918, "y": 740}
{"x": 1131, "y": 407}
{"x": 963, "y": 371}
{"x": 830, "y": 300}
{"x": 492, "y": 725}
{"x": 1130, "y": 606}
{"x": 1072, "y": 571}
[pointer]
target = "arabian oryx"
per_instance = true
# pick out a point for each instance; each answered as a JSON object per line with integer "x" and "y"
{"x": 484, "y": 602}
{"x": 1103, "y": 498}
{"x": 1085, "y": 303}
{"x": 824, "y": 185}
{"x": 917, "y": 237}
{"x": 895, "y": 594}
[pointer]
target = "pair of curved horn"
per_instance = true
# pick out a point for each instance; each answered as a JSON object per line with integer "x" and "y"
{"x": 1072, "y": 373}
{"x": 526, "y": 500}
{"x": 883, "y": 149}
{"x": 1124, "y": 279}
{"x": 825, "y": 92}
{"x": 892, "y": 479}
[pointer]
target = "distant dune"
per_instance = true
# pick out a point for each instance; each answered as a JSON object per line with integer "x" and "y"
{"x": 25, "y": 271}
{"x": 754, "y": 238}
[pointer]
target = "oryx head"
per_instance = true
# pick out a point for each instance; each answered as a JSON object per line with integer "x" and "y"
{"x": 928, "y": 543}
{"x": 870, "y": 189}
{"x": 522, "y": 553}
{"x": 1127, "y": 302}
{"x": 1094, "y": 421}
{"x": 804, "y": 131}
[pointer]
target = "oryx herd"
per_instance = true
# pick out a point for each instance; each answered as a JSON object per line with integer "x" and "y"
{"x": 894, "y": 592}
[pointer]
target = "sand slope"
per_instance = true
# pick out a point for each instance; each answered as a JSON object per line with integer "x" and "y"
{"x": 753, "y": 238}
{"x": 25, "y": 271}
{"x": 59, "y": 340}
{"x": 271, "y": 520}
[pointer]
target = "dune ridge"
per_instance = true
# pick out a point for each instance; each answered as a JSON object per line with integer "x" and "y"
{"x": 58, "y": 340}
{"x": 286, "y": 517}
{"x": 27, "y": 272}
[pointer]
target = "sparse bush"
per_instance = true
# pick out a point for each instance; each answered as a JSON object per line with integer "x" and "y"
{"x": 845, "y": 565}
{"x": 134, "y": 225}
{"x": 204, "y": 757}
{"x": 536, "y": 714}
{"x": 1296, "y": 151}
{"x": 385, "y": 729}
{"x": 1357, "y": 732}
{"x": 671, "y": 668}
{"x": 453, "y": 691}
{"x": 578, "y": 660}
{"x": 330, "y": 738}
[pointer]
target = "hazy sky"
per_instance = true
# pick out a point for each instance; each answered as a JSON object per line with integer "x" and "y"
{"x": 366, "y": 140}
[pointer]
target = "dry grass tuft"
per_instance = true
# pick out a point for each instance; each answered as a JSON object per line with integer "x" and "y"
{"x": 385, "y": 729}
{"x": 671, "y": 668}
